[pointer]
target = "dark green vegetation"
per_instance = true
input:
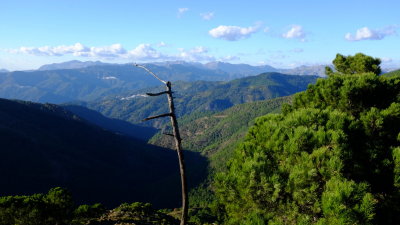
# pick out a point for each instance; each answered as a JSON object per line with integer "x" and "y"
{"x": 201, "y": 96}
{"x": 45, "y": 146}
{"x": 332, "y": 157}
{"x": 57, "y": 207}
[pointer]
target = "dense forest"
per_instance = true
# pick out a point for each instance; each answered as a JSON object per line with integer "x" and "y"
{"x": 326, "y": 155}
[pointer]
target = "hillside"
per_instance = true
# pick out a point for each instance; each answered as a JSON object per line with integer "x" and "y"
{"x": 44, "y": 146}
{"x": 114, "y": 125}
{"x": 394, "y": 73}
{"x": 200, "y": 96}
{"x": 215, "y": 135}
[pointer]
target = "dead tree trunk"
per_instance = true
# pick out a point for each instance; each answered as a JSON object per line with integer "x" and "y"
{"x": 178, "y": 145}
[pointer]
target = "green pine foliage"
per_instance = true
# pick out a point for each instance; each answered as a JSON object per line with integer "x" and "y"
{"x": 57, "y": 208}
{"x": 332, "y": 157}
{"x": 359, "y": 63}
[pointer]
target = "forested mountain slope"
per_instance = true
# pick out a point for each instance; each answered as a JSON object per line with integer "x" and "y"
{"x": 215, "y": 135}
{"x": 200, "y": 96}
{"x": 45, "y": 146}
{"x": 392, "y": 73}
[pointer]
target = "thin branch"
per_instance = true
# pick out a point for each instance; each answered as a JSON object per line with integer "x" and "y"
{"x": 155, "y": 117}
{"x": 137, "y": 65}
{"x": 157, "y": 94}
{"x": 168, "y": 134}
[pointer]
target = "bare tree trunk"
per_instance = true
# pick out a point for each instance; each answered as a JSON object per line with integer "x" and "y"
{"x": 177, "y": 137}
{"x": 178, "y": 146}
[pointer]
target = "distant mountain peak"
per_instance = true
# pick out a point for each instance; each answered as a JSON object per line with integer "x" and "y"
{"x": 316, "y": 70}
{"x": 73, "y": 64}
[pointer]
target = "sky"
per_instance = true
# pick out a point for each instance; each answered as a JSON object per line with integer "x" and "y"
{"x": 283, "y": 34}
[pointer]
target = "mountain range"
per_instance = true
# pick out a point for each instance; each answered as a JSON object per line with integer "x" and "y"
{"x": 234, "y": 70}
{"x": 73, "y": 64}
{"x": 88, "y": 81}
{"x": 199, "y": 96}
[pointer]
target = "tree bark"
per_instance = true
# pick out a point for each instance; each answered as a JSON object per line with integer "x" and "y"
{"x": 177, "y": 137}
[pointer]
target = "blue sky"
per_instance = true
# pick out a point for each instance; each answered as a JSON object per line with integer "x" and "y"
{"x": 283, "y": 33}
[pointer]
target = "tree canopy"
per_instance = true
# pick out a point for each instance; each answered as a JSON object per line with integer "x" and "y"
{"x": 332, "y": 157}
{"x": 359, "y": 63}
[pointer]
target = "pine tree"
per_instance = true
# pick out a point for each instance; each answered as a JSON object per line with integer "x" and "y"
{"x": 332, "y": 157}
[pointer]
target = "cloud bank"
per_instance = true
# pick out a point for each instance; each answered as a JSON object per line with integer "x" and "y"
{"x": 366, "y": 33}
{"x": 295, "y": 32}
{"x": 233, "y": 33}
{"x": 142, "y": 52}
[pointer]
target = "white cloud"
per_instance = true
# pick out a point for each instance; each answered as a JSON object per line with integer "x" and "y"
{"x": 75, "y": 49}
{"x": 181, "y": 11}
{"x": 295, "y": 32}
{"x": 233, "y": 33}
{"x": 199, "y": 53}
{"x": 112, "y": 51}
{"x": 229, "y": 58}
{"x": 142, "y": 52}
{"x": 207, "y": 15}
{"x": 366, "y": 33}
